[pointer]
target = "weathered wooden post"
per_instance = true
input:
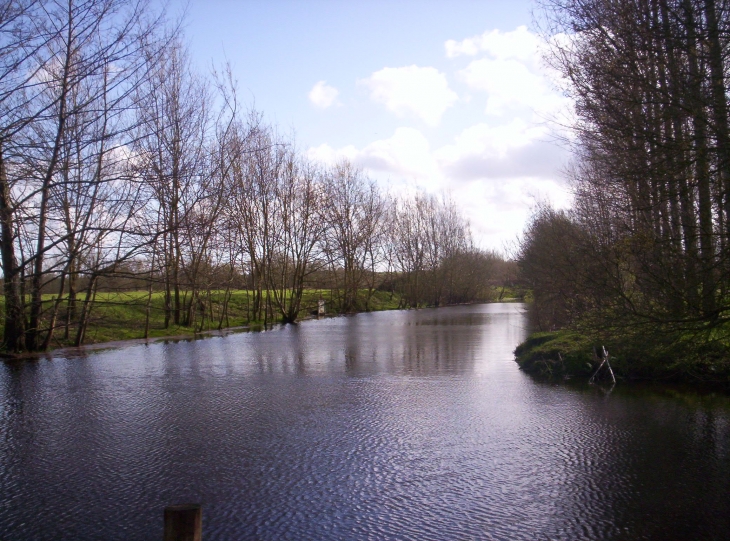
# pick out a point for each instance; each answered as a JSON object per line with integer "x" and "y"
{"x": 184, "y": 522}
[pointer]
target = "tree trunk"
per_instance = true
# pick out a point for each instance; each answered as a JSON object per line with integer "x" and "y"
{"x": 14, "y": 328}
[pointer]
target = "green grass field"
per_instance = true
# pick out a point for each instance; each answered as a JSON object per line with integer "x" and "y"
{"x": 122, "y": 315}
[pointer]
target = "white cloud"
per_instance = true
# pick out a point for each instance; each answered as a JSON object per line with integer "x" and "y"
{"x": 496, "y": 140}
{"x": 510, "y": 84}
{"x": 327, "y": 155}
{"x": 406, "y": 155}
{"x": 423, "y": 92}
{"x": 499, "y": 172}
{"x": 498, "y": 211}
{"x": 322, "y": 95}
{"x": 520, "y": 44}
{"x": 511, "y": 72}
{"x": 511, "y": 150}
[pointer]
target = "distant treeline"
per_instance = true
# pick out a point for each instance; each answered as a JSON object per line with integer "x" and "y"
{"x": 643, "y": 257}
{"x": 122, "y": 168}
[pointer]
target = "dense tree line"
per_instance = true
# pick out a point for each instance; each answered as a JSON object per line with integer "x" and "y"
{"x": 120, "y": 166}
{"x": 646, "y": 246}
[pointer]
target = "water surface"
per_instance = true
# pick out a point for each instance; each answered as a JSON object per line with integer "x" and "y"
{"x": 408, "y": 425}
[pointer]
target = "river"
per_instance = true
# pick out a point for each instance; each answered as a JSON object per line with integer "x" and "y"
{"x": 404, "y": 425}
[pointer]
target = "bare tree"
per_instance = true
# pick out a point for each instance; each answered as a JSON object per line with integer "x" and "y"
{"x": 174, "y": 118}
{"x": 58, "y": 78}
{"x": 355, "y": 212}
{"x": 298, "y": 211}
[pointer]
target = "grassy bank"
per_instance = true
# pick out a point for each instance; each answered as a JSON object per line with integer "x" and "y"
{"x": 122, "y": 316}
{"x": 125, "y": 315}
{"x": 696, "y": 357}
{"x": 510, "y": 294}
{"x": 134, "y": 315}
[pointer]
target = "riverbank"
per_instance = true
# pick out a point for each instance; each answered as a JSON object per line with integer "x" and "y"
{"x": 87, "y": 348}
{"x": 134, "y": 317}
{"x": 121, "y": 319}
{"x": 633, "y": 356}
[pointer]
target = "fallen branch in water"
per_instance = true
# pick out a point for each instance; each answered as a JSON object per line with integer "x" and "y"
{"x": 604, "y": 360}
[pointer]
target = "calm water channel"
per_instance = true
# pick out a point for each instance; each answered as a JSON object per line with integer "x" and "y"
{"x": 394, "y": 425}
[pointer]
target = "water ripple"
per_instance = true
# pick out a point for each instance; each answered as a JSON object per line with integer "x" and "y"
{"x": 402, "y": 425}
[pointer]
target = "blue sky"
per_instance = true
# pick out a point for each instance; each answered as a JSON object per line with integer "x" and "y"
{"x": 425, "y": 95}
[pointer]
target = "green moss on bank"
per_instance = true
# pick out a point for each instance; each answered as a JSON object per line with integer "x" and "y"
{"x": 558, "y": 353}
{"x": 641, "y": 355}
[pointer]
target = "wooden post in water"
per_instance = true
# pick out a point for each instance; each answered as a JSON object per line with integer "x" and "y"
{"x": 184, "y": 522}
